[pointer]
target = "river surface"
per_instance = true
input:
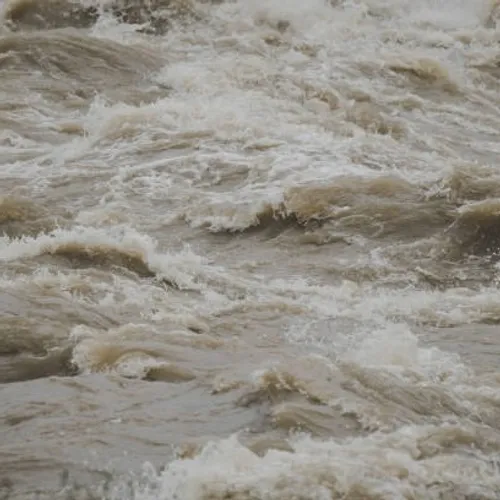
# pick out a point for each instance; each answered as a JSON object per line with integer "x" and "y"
{"x": 250, "y": 250}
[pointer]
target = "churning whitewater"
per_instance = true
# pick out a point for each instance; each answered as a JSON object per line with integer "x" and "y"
{"x": 250, "y": 249}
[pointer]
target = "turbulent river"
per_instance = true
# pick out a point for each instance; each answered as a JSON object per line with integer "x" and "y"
{"x": 250, "y": 249}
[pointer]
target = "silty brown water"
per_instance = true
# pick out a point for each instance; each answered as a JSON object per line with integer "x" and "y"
{"x": 249, "y": 249}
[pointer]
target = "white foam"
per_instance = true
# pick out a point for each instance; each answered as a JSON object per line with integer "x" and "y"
{"x": 381, "y": 465}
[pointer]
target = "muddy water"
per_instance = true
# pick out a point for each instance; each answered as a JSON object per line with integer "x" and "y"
{"x": 250, "y": 249}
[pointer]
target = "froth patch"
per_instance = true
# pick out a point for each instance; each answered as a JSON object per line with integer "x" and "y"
{"x": 156, "y": 16}
{"x": 391, "y": 465}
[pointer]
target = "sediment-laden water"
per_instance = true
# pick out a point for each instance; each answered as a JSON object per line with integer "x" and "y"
{"x": 250, "y": 249}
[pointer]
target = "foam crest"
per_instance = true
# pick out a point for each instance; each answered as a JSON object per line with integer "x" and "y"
{"x": 138, "y": 251}
{"x": 378, "y": 466}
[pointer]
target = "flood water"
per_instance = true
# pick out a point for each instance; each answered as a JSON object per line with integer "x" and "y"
{"x": 250, "y": 249}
